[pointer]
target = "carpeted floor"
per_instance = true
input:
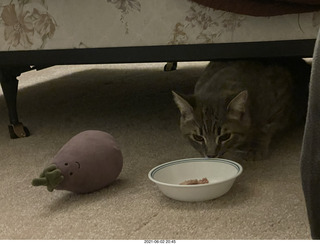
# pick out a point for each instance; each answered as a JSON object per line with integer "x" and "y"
{"x": 134, "y": 103}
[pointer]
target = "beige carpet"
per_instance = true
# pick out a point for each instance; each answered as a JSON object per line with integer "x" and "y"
{"x": 133, "y": 102}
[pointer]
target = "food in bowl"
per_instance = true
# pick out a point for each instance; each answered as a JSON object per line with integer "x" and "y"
{"x": 195, "y": 182}
{"x": 220, "y": 173}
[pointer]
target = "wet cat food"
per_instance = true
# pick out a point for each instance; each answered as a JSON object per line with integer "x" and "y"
{"x": 195, "y": 182}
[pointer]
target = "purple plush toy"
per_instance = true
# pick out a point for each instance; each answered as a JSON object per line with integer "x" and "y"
{"x": 89, "y": 161}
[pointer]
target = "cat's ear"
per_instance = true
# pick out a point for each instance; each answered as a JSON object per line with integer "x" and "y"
{"x": 237, "y": 107}
{"x": 184, "y": 105}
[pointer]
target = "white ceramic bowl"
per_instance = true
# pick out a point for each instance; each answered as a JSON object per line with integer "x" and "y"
{"x": 221, "y": 174}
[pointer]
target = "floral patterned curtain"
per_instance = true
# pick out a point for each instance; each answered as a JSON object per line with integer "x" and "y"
{"x": 263, "y": 8}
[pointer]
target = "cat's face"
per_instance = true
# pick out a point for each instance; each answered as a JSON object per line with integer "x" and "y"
{"x": 211, "y": 130}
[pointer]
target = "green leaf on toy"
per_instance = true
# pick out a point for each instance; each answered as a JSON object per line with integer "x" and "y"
{"x": 51, "y": 177}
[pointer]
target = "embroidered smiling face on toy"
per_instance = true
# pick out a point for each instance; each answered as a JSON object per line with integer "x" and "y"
{"x": 88, "y": 162}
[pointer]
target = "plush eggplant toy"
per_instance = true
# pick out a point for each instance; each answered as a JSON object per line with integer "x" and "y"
{"x": 88, "y": 162}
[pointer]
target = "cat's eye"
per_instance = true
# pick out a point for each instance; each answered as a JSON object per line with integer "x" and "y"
{"x": 198, "y": 138}
{"x": 225, "y": 137}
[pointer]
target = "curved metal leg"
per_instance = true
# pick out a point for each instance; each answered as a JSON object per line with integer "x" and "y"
{"x": 9, "y": 84}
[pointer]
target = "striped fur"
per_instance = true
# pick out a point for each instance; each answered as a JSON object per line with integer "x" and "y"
{"x": 238, "y": 106}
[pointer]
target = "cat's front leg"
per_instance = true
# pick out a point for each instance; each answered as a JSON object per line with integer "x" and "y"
{"x": 237, "y": 156}
{"x": 258, "y": 148}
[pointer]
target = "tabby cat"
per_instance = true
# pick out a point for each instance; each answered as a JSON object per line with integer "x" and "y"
{"x": 239, "y": 106}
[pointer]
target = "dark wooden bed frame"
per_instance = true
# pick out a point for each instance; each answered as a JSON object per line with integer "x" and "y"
{"x": 13, "y": 63}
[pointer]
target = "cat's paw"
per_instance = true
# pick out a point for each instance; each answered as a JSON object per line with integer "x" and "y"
{"x": 248, "y": 155}
{"x": 256, "y": 155}
{"x": 234, "y": 156}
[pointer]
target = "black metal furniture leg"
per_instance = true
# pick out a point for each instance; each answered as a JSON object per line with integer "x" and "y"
{"x": 170, "y": 66}
{"x": 9, "y": 84}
